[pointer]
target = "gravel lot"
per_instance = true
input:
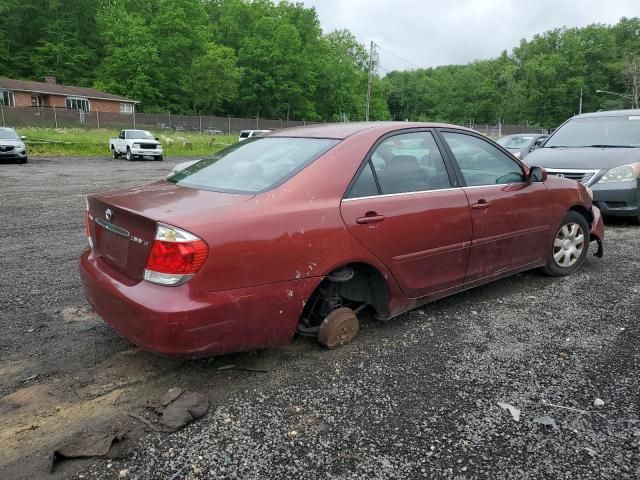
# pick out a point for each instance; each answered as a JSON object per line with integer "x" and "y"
{"x": 415, "y": 397}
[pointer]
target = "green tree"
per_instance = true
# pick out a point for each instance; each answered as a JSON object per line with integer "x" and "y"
{"x": 181, "y": 31}
{"x": 131, "y": 62}
{"x": 216, "y": 79}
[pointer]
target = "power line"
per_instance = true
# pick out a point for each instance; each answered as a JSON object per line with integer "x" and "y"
{"x": 398, "y": 56}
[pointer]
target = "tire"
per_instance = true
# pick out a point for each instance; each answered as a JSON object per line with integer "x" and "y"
{"x": 158, "y": 158}
{"x": 568, "y": 253}
{"x": 129, "y": 155}
{"x": 338, "y": 328}
{"x": 23, "y": 160}
{"x": 114, "y": 153}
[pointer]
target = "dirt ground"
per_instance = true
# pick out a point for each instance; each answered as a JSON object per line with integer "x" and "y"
{"x": 415, "y": 397}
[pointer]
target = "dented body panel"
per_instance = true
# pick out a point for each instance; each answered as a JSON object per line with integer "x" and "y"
{"x": 268, "y": 252}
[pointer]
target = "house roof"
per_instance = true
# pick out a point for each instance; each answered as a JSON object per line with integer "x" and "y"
{"x": 57, "y": 89}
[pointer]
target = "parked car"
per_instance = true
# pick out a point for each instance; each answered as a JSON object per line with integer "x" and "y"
{"x": 522, "y": 144}
{"x": 600, "y": 150}
{"x": 305, "y": 228}
{"x": 135, "y": 144}
{"x": 12, "y": 146}
{"x": 213, "y": 131}
{"x": 244, "y": 134}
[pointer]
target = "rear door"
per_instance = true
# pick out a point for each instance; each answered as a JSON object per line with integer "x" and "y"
{"x": 406, "y": 208}
{"x": 510, "y": 214}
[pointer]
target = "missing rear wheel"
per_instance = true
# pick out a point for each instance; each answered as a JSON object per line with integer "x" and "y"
{"x": 338, "y": 328}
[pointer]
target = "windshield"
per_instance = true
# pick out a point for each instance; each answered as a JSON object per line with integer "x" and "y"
{"x": 8, "y": 134}
{"x": 254, "y": 165}
{"x": 142, "y": 134}
{"x": 618, "y": 131}
{"x": 516, "y": 142}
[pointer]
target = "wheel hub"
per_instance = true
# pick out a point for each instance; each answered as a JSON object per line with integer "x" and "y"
{"x": 338, "y": 328}
{"x": 568, "y": 245}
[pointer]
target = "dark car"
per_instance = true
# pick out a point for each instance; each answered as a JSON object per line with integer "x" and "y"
{"x": 303, "y": 229}
{"x": 12, "y": 146}
{"x": 600, "y": 150}
{"x": 522, "y": 144}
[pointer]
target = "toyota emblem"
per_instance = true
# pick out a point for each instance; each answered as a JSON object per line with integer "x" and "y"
{"x": 108, "y": 214}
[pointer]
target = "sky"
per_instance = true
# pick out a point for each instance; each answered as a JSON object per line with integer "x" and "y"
{"x": 428, "y": 33}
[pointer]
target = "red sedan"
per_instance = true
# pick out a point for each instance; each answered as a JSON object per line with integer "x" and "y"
{"x": 303, "y": 229}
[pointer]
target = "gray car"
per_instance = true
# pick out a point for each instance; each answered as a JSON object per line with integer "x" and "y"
{"x": 602, "y": 151}
{"x": 522, "y": 144}
{"x": 12, "y": 146}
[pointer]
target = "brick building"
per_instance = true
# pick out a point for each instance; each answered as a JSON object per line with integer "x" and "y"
{"x": 25, "y": 93}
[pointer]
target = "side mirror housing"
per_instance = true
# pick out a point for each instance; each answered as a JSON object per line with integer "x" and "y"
{"x": 157, "y": 139}
{"x": 537, "y": 174}
{"x": 23, "y": 138}
{"x": 539, "y": 142}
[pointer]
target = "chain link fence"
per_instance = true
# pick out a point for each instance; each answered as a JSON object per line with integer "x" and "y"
{"x": 53, "y": 117}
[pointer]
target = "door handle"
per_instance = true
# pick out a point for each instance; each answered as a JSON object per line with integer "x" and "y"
{"x": 481, "y": 205}
{"x": 370, "y": 217}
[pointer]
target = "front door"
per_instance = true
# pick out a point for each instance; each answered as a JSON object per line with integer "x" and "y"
{"x": 404, "y": 208}
{"x": 510, "y": 214}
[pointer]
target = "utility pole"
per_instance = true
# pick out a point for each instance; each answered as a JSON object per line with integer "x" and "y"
{"x": 372, "y": 63}
{"x": 580, "y": 110}
{"x": 634, "y": 73}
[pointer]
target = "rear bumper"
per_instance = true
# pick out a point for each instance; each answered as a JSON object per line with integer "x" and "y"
{"x": 618, "y": 199}
{"x": 181, "y": 321}
{"x": 597, "y": 231}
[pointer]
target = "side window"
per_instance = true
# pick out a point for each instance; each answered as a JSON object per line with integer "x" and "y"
{"x": 410, "y": 162}
{"x": 480, "y": 162}
{"x": 365, "y": 185}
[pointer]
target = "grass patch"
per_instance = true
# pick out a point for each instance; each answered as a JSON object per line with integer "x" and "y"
{"x": 77, "y": 142}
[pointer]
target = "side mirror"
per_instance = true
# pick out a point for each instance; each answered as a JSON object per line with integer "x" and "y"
{"x": 157, "y": 139}
{"x": 23, "y": 138}
{"x": 539, "y": 142}
{"x": 537, "y": 174}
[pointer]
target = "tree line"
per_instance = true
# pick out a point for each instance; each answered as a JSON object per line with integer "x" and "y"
{"x": 257, "y": 57}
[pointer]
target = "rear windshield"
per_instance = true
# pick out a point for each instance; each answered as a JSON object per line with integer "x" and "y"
{"x": 619, "y": 131}
{"x": 253, "y": 166}
{"x": 8, "y": 134}
{"x": 516, "y": 142}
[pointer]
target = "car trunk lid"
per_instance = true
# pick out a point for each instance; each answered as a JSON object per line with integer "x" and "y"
{"x": 123, "y": 223}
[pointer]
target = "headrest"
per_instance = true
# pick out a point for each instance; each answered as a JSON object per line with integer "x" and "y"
{"x": 403, "y": 161}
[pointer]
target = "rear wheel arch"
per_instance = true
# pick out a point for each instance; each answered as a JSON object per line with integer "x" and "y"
{"x": 367, "y": 286}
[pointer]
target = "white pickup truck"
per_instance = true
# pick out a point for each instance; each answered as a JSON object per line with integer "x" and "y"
{"x": 135, "y": 144}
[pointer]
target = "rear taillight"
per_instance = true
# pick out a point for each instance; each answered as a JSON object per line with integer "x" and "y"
{"x": 88, "y": 224}
{"x": 175, "y": 256}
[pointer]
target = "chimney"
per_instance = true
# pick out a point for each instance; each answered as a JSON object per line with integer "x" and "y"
{"x": 49, "y": 79}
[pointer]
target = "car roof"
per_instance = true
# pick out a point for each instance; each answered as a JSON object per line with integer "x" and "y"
{"x": 340, "y": 131}
{"x": 610, "y": 113}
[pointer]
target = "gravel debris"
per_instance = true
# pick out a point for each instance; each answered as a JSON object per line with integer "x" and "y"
{"x": 415, "y": 397}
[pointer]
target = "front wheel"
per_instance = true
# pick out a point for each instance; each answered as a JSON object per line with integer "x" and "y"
{"x": 23, "y": 160}
{"x": 129, "y": 155}
{"x": 159, "y": 158}
{"x": 114, "y": 153}
{"x": 570, "y": 246}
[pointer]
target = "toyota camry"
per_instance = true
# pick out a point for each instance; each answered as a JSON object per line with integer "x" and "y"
{"x": 305, "y": 229}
